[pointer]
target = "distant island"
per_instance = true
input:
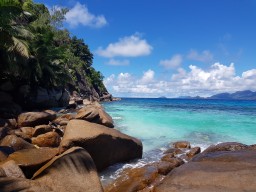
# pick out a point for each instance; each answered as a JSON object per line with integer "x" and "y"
{"x": 239, "y": 95}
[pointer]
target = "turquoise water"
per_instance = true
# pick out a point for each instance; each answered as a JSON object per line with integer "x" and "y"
{"x": 158, "y": 122}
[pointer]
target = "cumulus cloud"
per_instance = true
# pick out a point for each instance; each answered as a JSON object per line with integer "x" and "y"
{"x": 196, "y": 81}
{"x": 173, "y": 62}
{"x": 148, "y": 76}
{"x": 80, "y": 15}
{"x": 116, "y": 62}
{"x": 131, "y": 46}
{"x": 205, "y": 56}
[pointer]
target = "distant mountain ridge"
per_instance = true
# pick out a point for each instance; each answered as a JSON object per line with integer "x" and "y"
{"x": 239, "y": 95}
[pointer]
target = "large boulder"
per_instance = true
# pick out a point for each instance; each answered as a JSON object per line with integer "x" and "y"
{"x": 231, "y": 170}
{"x": 95, "y": 113}
{"x": 30, "y": 160}
{"x": 31, "y": 119}
{"x": 106, "y": 146}
{"x": 73, "y": 170}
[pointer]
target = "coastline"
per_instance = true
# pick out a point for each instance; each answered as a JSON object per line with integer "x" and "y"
{"x": 73, "y": 132}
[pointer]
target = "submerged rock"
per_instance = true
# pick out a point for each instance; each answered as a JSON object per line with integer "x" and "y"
{"x": 106, "y": 146}
{"x": 181, "y": 144}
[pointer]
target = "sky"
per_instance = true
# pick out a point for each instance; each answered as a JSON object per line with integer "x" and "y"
{"x": 171, "y": 48}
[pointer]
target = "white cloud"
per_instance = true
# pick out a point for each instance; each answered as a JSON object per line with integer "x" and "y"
{"x": 148, "y": 76}
{"x": 116, "y": 62}
{"x": 173, "y": 62}
{"x": 196, "y": 81}
{"x": 132, "y": 46}
{"x": 204, "y": 56}
{"x": 80, "y": 14}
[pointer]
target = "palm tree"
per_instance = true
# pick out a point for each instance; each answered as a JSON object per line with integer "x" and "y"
{"x": 14, "y": 34}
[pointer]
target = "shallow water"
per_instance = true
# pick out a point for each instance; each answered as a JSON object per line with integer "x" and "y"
{"x": 158, "y": 122}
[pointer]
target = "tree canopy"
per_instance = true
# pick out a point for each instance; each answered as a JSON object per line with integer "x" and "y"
{"x": 35, "y": 48}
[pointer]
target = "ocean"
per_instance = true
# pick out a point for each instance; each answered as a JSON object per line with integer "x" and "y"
{"x": 159, "y": 122}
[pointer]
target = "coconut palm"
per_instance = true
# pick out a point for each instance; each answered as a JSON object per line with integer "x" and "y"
{"x": 14, "y": 34}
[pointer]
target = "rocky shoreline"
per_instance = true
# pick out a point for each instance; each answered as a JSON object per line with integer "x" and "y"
{"x": 64, "y": 151}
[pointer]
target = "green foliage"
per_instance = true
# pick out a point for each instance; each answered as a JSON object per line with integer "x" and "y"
{"x": 35, "y": 49}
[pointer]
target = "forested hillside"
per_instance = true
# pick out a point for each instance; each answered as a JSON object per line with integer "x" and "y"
{"x": 41, "y": 60}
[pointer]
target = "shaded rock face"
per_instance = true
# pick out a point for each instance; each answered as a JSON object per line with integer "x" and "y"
{"x": 74, "y": 170}
{"x": 106, "y": 146}
{"x": 43, "y": 98}
{"x": 224, "y": 167}
{"x": 31, "y": 119}
{"x": 30, "y": 160}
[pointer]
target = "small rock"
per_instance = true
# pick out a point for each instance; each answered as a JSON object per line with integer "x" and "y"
{"x": 50, "y": 139}
{"x": 175, "y": 161}
{"x": 175, "y": 151}
{"x": 27, "y": 130}
{"x": 164, "y": 167}
{"x": 181, "y": 144}
{"x": 41, "y": 129}
{"x": 194, "y": 151}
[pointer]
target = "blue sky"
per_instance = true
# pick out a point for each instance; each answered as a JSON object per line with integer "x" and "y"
{"x": 149, "y": 48}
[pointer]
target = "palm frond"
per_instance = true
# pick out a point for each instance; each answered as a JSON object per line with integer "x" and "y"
{"x": 20, "y": 47}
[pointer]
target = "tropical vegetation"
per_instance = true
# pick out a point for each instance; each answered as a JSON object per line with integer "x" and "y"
{"x": 35, "y": 49}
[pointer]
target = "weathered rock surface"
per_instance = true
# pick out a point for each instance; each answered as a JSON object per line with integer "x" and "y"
{"x": 90, "y": 113}
{"x": 96, "y": 114}
{"x": 11, "y": 169}
{"x": 133, "y": 180}
{"x": 106, "y": 146}
{"x": 50, "y": 139}
{"x": 73, "y": 170}
{"x": 194, "y": 151}
{"x": 31, "y": 119}
{"x": 28, "y": 131}
{"x": 30, "y": 160}
{"x": 228, "y": 167}
{"x": 41, "y": 129}
{"x": 16, "y": 143}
